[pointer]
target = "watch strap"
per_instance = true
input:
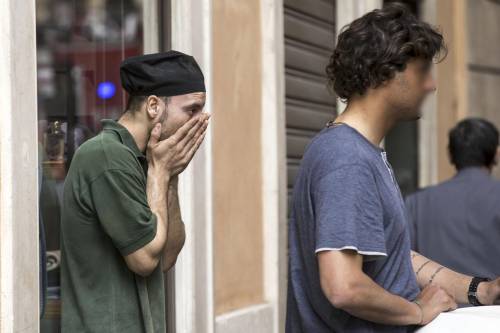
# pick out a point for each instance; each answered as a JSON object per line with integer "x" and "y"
{"x": 472, "y": 292}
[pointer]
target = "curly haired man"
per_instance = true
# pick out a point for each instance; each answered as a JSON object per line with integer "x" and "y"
{"x": 351, "y": 268}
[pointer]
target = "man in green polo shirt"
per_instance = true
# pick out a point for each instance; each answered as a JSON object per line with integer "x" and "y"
{"x": 121, "y": 225}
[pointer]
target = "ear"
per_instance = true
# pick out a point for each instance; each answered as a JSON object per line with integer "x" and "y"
{"x": 153, "y": 108}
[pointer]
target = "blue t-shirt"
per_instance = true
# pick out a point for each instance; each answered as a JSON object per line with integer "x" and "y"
{"x": 345, "y": 197}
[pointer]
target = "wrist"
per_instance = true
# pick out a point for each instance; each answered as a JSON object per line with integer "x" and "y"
{"x": 480, "y": 291}
{"x": 159, "y": 174}
{"x": 483, "y": 292}
{"x": 174, "y": 181}
{"x": 417, "y": 317}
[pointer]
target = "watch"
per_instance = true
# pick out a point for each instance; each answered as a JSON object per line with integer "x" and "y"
{"x": 472, "y": 293}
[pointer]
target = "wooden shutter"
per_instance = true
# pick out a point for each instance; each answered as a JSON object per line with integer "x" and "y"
{"x": 309, "y": 42}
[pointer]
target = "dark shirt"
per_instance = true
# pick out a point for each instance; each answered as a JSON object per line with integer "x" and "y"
{"x": 345, "y": 197}
{"x": 457, "y": 223}
{"x": 106, "y": 217}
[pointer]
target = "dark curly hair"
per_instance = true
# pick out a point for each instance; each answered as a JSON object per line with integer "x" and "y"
{"x": 373, "y": 47}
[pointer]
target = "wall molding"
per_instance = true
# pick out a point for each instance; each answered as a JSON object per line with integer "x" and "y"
{"x": 274, "y": 177}
{"x": 257, "y": 318}
{"x": 19, "y": 253}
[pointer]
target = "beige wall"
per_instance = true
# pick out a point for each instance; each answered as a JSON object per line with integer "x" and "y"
{"x": 451, "y": 78}
{"x": 469, "y": 78}
{"x": 237, "y": 183}
{"x": 484, "y": 60}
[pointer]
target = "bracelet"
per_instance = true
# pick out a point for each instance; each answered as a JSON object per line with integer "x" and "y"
{"x": 425, "y": 263}
{"x": 435, "y": 273}
{"x": 421, "y": 312}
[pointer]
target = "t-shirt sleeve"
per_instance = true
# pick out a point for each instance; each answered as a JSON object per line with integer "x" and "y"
{"x": 120, "y": 202}
{"x": 348, "y": 212}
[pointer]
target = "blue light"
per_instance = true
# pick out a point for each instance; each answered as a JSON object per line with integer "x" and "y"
{"x": 106, "y": 90}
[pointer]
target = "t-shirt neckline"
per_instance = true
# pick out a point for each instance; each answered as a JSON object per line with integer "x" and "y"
{"x": 333, "y": 125}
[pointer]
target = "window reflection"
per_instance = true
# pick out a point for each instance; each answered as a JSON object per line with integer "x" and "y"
{"x": 80, "y": 45}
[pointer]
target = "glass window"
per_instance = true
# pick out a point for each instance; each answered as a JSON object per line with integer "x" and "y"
{"x": 80, "y": 45}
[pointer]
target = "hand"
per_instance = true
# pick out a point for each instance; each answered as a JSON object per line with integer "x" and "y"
{"x": 172, "y": 155}
{"x": 433, "y": 301}
{"x": 488, "y": 293}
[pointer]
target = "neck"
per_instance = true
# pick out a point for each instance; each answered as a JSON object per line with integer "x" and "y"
{"x": 370, "y": 116}
{"x": 139, "y": 132}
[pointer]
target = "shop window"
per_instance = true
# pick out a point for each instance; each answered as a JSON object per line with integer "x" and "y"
{"x": 80, "y": 45}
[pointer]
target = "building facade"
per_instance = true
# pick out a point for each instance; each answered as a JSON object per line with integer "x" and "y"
{"x": 264, "y": 63}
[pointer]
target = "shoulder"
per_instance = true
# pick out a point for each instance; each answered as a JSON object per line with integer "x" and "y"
{"x": 103, "y": 153}
{"x": 339, "y": 147}
{"x": 492, "y": 181}
{"x": 411, "y": 199}
{"x": 422, "y": 193}
{"x": 433, "y": 195}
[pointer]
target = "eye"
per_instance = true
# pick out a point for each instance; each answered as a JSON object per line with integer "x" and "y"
{"x": 193, "y": 109}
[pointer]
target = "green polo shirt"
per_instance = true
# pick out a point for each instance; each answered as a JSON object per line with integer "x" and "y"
{"x": 105, "y": 217}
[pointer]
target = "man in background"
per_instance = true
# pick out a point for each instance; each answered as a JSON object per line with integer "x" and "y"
{"x": 457, "y": 222}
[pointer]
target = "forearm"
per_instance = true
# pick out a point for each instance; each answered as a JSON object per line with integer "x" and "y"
{"x": 174, "y": 209}
{"x": 156, "y": 189}
{"x": 176, "y": 233}
{"x": 454, "y": 283}
{"x": 367, "y": 300}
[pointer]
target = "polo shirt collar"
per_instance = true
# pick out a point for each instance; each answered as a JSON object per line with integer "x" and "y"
{"x": 125, "y": 137}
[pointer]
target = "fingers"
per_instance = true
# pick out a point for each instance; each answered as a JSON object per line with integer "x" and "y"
{"x": 188, "y": 155}
{"x": 449, "y": 301}
{"x": 192, "y": 133}
{"x": 453, "y": 305}
{"x": 195, "y": 147}
{"x": 198, "y": 142}
{"x": 194, "y": 139}
{"x": 191, "y": 141}
{"x": 183, "y": 131}
{"x": 155, "y": 135}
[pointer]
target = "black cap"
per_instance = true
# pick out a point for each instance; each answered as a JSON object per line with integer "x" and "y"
{"x": 163, "y": 74}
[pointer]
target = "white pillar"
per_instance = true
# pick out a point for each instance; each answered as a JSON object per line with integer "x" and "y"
{"x": 273, "y": 138}
{"x": 18, "y": 169}
{"x": 194, "y": 295}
